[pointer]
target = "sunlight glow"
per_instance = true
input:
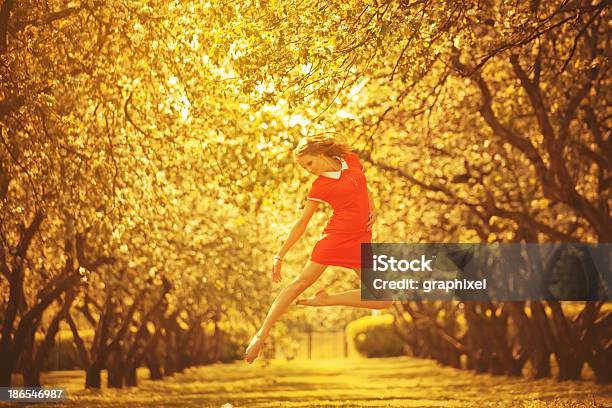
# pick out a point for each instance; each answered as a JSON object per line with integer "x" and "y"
{"x": 293, "y": 120}
{"x": 306, "y": 68}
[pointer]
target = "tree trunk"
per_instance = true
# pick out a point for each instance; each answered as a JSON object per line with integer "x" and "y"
{"x": 5, "y": 373}
{"x": 115, "y": 369}
{"x": 35, "y": 359}
{"x": 92, "y": 377}
{"x": 540, "y": 363}
{"x": 170, "y": 358}
{"x": 475, "y": 343}
{"x": 540, "y": 359}
{"x": 12, "y": 338}
{"x": 26, "y": 360}
{"x": 569, "y": 351}
{"x": 131, "y": 379}
{"x": 31, "y": 376}
{"x": 454, "y": 357}
{"x": 155, "y": 372}
{"x": 198, "y": 355}
{"x": 115, "y": 378}
{"x": 152, "y": 359}
{"x": 184, "y": 345}
{"x": 596, "y": 335}
{"x": 569, "y": 369}
{"x": 599, "y": 361}
{"x": 603, "y": 373}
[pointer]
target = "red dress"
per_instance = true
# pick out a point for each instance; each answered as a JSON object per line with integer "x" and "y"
{"x": 340, "y": 242}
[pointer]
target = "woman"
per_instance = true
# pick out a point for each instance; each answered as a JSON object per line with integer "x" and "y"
{"x": 341, "y": 184}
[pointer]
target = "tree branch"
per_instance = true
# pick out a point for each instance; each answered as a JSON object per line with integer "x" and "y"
{"x": 76, "y": 337}
{"x": 88, "y": 264}
{"x": 48, "y": 18}
{"x": 507, "y": 134}
{"x": 600, "y": 7}
{"x": 10, "y": 103}
{"x": 5, "y": 13}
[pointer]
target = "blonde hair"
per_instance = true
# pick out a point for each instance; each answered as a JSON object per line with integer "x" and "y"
{"x": 328, "y": 143}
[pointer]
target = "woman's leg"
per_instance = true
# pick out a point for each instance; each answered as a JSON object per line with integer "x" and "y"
{"x": 309, "y": 275}
{"x": 349, "y": 298}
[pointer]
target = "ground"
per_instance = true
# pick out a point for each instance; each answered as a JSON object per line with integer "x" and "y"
{"x": 396, "y": 382}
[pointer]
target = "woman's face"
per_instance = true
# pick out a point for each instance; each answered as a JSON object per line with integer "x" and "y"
{"x": 315, "y": 164}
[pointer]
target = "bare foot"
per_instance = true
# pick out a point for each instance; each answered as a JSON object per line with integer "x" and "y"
{"x": 252, "y": 351}
{"x": 318, "y": 300}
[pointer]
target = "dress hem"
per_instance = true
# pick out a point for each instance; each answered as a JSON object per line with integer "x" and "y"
{"x": 337, "y": 264}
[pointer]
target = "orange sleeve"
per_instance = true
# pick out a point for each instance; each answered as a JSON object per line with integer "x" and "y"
{"x": 317, "y": 192}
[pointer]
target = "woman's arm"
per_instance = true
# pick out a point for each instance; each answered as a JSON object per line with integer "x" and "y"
{"x": 299, "y": 227}
{"x": 296, "y": 232}
{"x": 373, "y": 213}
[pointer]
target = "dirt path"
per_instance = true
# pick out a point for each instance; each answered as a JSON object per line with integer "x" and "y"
{"x": 397, "y": 382}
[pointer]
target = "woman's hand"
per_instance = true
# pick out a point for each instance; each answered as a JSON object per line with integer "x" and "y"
{"x": 371, "y": 219}
{"x": 276, "y": 270}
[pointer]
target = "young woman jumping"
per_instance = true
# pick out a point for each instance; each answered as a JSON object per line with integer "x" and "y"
{"x": 340, "y": 183}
